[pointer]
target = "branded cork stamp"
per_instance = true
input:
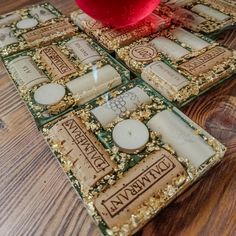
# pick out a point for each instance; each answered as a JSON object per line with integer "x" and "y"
{"x": 143, "y": 53}
{"x": 53, "y": 79}
{"x": 178, "y": 63}
{"x": 129, "y": 153}
{"x": 59, "y": 66}
{"x": 147, "y": 178}
{"x": 89, "y": 160}
{"x": 206, "y": 16}
{"x": 33, "y": 26}
{"x": 207, "y": 60}
{"x": 112, "y": 39}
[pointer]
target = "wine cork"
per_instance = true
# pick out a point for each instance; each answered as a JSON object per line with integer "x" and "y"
{"x": 118, "y": 203}
{"x": 42, "y": 14}
{"x": 128, "y": 101}
{"x": 188, "y": 18}
{"x": 83, "y": 50}
{"x": 175, "y": 132}
{"x": 189, "y": 39}
{"x": 169, "y": 48}
{"x": 48, "y": 32}
{"x": 57, "y": 62}
{"x": 177, "y": 3}
{"x": 115, "y": 38}
{"x": 163, "y": 78}
{"x": 7, "y": 37}
{"x": 89, "y": 159}
{"x": 26, "y": 73}
{"x": 94, "y": 83}
{"x": 9, "y": 19}
{"x": 226, "y": 6}
{"x": 206, "y": 61}
{"x": 85, "y": 22}
{"x": 210, "y": 12}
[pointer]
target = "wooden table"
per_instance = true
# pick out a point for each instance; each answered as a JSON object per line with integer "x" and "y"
{"x": 36, "y": 197}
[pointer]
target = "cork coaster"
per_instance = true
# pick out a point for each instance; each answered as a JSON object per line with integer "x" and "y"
{"x": 31, "y": 27}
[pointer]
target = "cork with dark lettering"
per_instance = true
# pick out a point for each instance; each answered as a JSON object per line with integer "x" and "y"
{"x": 50, "y": 32}
{"x": 207, "y": 60}
{"x": 120, "y": 201}
{"x": 59, "y": 66}
{"x": 90, "y": 161}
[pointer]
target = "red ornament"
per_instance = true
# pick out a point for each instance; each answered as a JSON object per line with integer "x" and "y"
{"x": 118, "y": 13}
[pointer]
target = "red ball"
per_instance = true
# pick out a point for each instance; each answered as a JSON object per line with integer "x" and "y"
{"x": 118, "y": 13}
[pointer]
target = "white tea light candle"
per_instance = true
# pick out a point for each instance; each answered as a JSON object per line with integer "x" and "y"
{"x": 27, "y": 23}
{"x": 130, "y": 136}
{"x": 49, "y": 94}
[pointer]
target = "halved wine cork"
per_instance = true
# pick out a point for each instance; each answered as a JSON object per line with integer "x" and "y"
{"x": 49, "y": 32}
{"x": 206, "y": 61}
{"x": 167, "y": 74}
{"x": 115, "y": 38}
{"x": 85, "y": 22}
{"x": 210, "y": 12}
{"x": 169, "y": 48}
{"x": 164, "y": 79}
{"x": 128, "y": 101}
{"x": 83, "y": 50}
{"x": 226, "y": 6}
{"x": 189, "y": 39}
{"x": 41, "y": 14}
{"x": 94, "y": 83}
{"x": 49, "y": 94}
{"x": 188, "y": 18}
{"x": 9, "y": 19}
{"x": 26, "y": 73}
{"x": 118, "y": 203}
{"x": 57, "y": 62}
{"x": 7, "y": 37}
{"x": 89, "y": 159}
{"x": 175, "y": 132}
{"x": 27, "y": 23}
{"x": 177, "y": 3}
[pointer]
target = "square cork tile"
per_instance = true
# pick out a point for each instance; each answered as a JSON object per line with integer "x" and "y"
{"x": 178, "y": 63}
{"x": 31, "y": 27}
{"x": 55, "y": 78}
{"x": 133, "y": 186}
{"x": 208, "y": 17}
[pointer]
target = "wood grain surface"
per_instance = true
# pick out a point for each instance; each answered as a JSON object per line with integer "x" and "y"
{"x": 36, "y": 197}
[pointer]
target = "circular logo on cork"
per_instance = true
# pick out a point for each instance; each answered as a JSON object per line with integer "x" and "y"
{"x": 143, "y": 53}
